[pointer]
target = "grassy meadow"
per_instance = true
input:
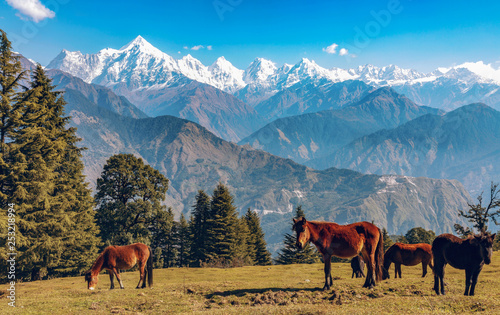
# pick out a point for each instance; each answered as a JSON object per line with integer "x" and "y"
{"x": 291, "y": 289}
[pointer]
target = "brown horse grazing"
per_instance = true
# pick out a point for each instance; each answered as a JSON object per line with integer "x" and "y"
{"x": 357, "y": 265}
{"x": 344, "y": 241}
{"x": 408, "y": 255}
{"x": 469, "y": 254}
{"x": 116, "y": 258}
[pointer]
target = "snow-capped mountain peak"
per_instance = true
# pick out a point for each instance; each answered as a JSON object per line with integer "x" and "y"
{"x": 225, "y": 76}
{"x": 259, "y": 71}
{"x": 140, "y": 65}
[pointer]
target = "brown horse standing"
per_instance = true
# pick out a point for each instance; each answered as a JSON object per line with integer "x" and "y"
{"x": 344, "y": 241}
{"x": 408, "y": 255}
{"x": 470, "y": 254}
{"x": 116, "y": 258}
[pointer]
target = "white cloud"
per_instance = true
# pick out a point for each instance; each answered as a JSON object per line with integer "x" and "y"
{"x": 197, "y": 47}
{"x": 33, "y": 9}
{"x": 332, "y": 49}
{"x": 343, "y": 52}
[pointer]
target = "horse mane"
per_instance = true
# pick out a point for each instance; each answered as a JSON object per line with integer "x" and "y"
{"x": 97, "y": 265}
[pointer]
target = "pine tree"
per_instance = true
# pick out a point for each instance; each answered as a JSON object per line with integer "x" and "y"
{"x": 243, "y": 248}
{"x": 161, "y": 234}
{"x": 257, "y": 244}
{"x": 198, "y": 225}
{"x": 56, "y": 228}
{"x": 290, "y": 254}
{"x": 184, "y": 242}
{"x": 387, "y": 240}
{"x": 129, "y": 196}
{"x": 10, "y": 111}
{"x": 171, "y": 241}
{"x": 222, "y": 225}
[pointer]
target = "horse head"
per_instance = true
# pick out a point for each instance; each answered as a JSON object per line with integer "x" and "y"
{"x": 485, "y": 243}
{"x": 303, "y": 234}
{"x": 91, "y": 280}
{"x": 385, "y": 273}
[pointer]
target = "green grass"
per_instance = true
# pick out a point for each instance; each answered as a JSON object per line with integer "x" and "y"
{"x": 260, "y": 290}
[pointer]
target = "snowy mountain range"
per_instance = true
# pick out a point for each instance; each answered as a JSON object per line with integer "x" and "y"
{"x": 139, "y": 66}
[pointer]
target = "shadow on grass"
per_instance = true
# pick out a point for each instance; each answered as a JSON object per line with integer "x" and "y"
{"x": 242, "y": 292}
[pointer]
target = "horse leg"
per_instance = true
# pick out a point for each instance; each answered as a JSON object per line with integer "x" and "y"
{"x": 111, "y": 279}
{"x": 117, "y": 274}
{"x": 142, "y": 275}
{"x": 474, "y": 281}
{"x": 438, "y": 277}
{"x": 442, "y": 280}
{"x": 468, "y": 278}
{"x": 370, "y": 263}
{"x": 328, "y": 269}
{"x": 424, "y": 268}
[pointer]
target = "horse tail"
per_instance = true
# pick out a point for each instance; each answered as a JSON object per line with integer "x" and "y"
{"x": 379, "y": 256}
{"x": 149, "y": 266}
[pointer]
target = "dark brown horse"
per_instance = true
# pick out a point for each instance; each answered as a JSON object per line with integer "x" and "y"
{"x": 116, "y": 258}
{"x": 358, "y": 267}
{"x": 344, "y": 241}
{"x": 469, "y": 254}
{"x": 408, "y": 255}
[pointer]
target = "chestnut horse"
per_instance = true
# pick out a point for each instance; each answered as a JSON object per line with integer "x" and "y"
{"x": 408, "y": 255}
{"x": 116, "y": 258}
{"x": 344, "y": 241}
{"x": 469, "y": 254}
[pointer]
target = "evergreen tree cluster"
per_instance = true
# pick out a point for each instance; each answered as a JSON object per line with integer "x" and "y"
{"x": 214, "y": 235}
{"x": 41, "y": 173}
{"x": 219, "y": 235}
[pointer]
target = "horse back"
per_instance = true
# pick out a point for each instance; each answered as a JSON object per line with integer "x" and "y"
{"x": 125, "y": 257}
{"x": 346, "y": 240}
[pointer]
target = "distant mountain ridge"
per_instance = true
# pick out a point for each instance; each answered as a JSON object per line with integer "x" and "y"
{"x": 307, "y": 138}
{"x": 139, "y": 65}
{"x": 464, "y": 144}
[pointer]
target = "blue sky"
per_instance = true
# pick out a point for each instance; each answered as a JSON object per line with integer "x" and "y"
{"x": 413, "y": 34}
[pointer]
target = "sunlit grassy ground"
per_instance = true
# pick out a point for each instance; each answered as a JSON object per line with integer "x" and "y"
{"x": 261, "y": 290}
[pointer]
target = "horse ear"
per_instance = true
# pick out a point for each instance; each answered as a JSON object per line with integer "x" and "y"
{"x": 493, "y": 236}
{"x": 304, "y": 220}
{"x": 476, "y": 239}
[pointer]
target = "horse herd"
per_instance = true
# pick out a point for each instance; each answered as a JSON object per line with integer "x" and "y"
{"x": 361, "y": 240}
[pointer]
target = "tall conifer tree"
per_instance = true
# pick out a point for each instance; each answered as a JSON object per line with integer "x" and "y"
{"x": 184, "y": 242}
{"x": 198, "y": 225}
{"x": 56, "y": 229}
{"x": 222, "y": 238}
{"x": 10, "y": 111}
{"x": 258, "y": 251}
